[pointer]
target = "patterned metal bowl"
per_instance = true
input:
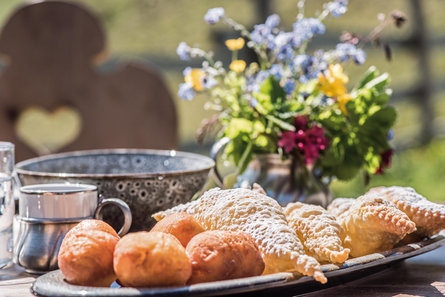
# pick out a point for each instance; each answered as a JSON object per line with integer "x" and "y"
{"x": 147, "y": 180}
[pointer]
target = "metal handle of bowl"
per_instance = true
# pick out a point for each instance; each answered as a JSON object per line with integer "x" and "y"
{"x": 214, "y": 153}
{"x": 123, "y": 207}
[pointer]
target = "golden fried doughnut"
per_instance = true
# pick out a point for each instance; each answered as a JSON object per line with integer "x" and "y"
{"x": 86, "y": 257}
{"x": 220, "y": 255}
{"x": 181, "y": 225}
{"x": 146, "y": 259}
{"x": 92, "y": 224}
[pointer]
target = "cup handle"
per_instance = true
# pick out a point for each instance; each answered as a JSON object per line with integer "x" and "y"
{"x": 214, "y": 153}
{"x": 124, "y": 208}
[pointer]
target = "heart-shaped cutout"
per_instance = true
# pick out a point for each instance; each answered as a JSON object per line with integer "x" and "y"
{"x": 47, "y": 132}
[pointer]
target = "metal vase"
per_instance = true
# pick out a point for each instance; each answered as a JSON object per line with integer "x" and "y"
{"x": 286, "y": 180}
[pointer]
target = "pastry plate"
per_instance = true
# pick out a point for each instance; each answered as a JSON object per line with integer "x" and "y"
{"x": 278, "y": 284}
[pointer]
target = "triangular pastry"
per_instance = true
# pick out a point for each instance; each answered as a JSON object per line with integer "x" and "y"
{"x": 428, "y": 216}
{"x": 321, "y": 235}
{"x": 373, "y": 224}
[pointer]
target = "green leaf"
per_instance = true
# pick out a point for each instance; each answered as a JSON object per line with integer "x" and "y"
{"x": 351, "y": 166}
{"x": 245, "y": 158}
{"x": 283, "y": 125}
{"x": 237, "y": 126}
{"x": 272, "y": 87}
{"x": 369, "y": 75}
{"x": 382, "y": 119}
{"x": 379, "y": 82}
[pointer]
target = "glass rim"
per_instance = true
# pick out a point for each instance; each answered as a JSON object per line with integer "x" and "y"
{"x": 57, "y": 189}
{"x": 4, "y": 145}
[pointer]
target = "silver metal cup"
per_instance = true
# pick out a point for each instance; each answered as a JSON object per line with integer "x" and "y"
{"x": 47, "y": 212}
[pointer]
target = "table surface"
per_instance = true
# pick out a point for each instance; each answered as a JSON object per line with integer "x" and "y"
{"x": 422, "y": 275}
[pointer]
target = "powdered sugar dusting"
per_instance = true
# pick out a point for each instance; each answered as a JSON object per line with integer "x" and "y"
{"x": 260, "y": 216}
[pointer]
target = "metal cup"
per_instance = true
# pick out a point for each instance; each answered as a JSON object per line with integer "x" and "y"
{"x": 47, "y": 212}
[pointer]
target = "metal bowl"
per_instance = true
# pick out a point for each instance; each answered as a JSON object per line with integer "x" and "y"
{"x": 147, "y": 180}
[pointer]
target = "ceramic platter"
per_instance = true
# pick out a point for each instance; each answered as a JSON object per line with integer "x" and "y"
{"x": 279, "y": 284}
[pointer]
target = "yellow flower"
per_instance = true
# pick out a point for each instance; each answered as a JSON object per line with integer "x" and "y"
{"x": 332, "y": 83}
{"x": 238, "y": 66}
{"x": 235, "y": 44}
{"x": 342, "y": 100}
{"x": 194, "y": 77}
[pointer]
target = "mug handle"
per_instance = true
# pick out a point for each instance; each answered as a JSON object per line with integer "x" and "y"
{"x": 123, "y": 207}
{"x": 214, "y": 153}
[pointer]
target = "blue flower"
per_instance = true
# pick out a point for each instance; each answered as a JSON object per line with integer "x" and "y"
{"x": 390, "y": 135}
{"x": 208, "y": 82}
{"x": 183, "y": 51}
{"x": 303, "y": 62}
{"x": 285, "y": 53}
{"x": 186, "y": 91}
{"x": 277, "y": 71}
{"x": 272, "y": 21}
{"x": 306, "y": 28}
{"x": 213, "y": 15}
{"x": 360, "y": 57}
{"x": 337, "y": 7}
{"x": 289, "y": 86}
{"x": 253, "y": 102}
{"x": 262, "y": 35}
{"x": 346, "y": 51}
{"x": 284, "y": 43}
{"x": 308, "y": 66}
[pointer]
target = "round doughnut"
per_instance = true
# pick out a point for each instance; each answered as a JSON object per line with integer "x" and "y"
{"x": 92, "y": 224}
{"x": 181, "y": 225}
{"x": 147, "y": 259}
{"x": 220, "y": 255}
{"x": 86, "y": 257}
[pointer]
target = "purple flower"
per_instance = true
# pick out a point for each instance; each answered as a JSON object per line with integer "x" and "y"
{"x": 337, "y": 7}
{"x": 272, "y": 21}
{"x": 306, "y": 28}
{"x": 213, "y": 15}
{"x": 183, "y": 51}
{"x": 287, "y": 141}
{"x": 186, "y": 91}
{"x": 309, "y": 141}
{"x": 385, "y": 162}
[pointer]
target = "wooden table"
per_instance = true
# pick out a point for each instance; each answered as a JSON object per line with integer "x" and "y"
{"x": 422, "y": 275}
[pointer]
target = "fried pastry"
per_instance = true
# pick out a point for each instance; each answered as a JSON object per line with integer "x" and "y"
{"x": 86, "y": 257}
{"x": 321, "y": 235}
{"x": 221, "y": 255}
{"x": 181, "y": 225}
{"x": 147, "y": 259}
{"x": 373, "y": 224}
{"x": 428, "y": 216}
{"x": 92, "y": 224}
{"x": 339, "y": 206}
{"x": 261, "y": 217}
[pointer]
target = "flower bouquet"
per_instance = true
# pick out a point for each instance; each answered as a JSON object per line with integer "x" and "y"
{"x": 293, "y": 102}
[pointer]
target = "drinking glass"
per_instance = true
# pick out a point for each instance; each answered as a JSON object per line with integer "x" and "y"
{"x": 7, "y": 206}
